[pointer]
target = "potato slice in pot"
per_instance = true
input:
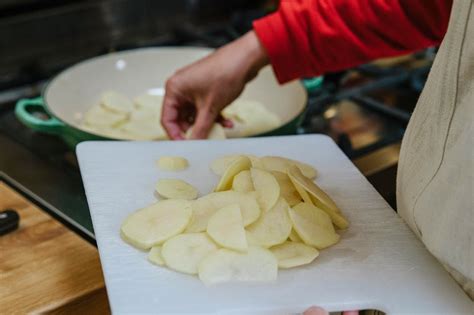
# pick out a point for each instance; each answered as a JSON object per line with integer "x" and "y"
{"x": 240, "y": 164}
{"x": 172, "y": 163}
{"x": 281, "y": 164}
{"x": 287, "y": 189}
{"x": 243, "y": 182}
{"x": 205, "y": 207}
{"x": 313, "y": 225}
{"x": 149, "y": 103}
{"x": 185, "y": 252}
{"x": 273, "y": 227}
{"x": 267, "y": 188}
{"x": 155, "y": 257}
{"x": 291, "y": 254}
{"x": 176, "y": 189}
{"x": 226, "y": 228}
{"x": 116, "y": 102}
{"x": 155, "y": 224}
{"x": 99, "y": 117}
{"x": 256, "y": 265}
{"x": 318, "y": 197}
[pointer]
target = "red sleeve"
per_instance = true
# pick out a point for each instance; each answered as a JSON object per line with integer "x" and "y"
{"x": 310, "y": 37}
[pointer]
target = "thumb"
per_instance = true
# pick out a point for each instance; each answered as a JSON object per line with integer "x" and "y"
{"x": 205, "y": 119}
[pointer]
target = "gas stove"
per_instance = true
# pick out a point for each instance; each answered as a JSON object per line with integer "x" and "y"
{"x": 365, "y": 110}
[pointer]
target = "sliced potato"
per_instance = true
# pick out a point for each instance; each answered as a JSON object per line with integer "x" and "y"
{"x": 255, "y": 160}
{"x": 205, "y": 207}
{"x": 267, "y": 188}
{"x": 337, "y": 218}
{"x": 176, "y": 189}
{"x": 318, "y": 197}
{"x": 116, "y": 102}
{"x": 144, "y": 125}
{"x": 155, "y": 224}
{"x": 216, "y": 133}
{"x": 294, "y": 237}
{"x": 287, "y": 189}
{"x": 243, "y": 182}
{"x": 240, "y": 164}
{"x": 313, "y": 225}
{"x": 273, "y": 227}
{"x": 219, "y": 165}
{"x": 281, "y": 164}
{"x": 172, "y": 163}
{"x": 149, "y": 103}
{"x": 98, "y": 116}
{"x": 290, "y": 254}
{"x": 155, "y": 256}
{"x": 226, "y": 228}
{"x": 250, "y": 117}
{"x": 138, "y": 130}
{"x": 185, "y": 252}
{"x": 224, "y": 265}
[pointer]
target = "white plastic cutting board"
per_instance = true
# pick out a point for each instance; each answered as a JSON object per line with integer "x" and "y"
{"x": 378, "y": 264}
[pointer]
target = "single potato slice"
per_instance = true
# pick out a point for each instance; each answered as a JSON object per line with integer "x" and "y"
{"x": 206, "y": 206}
{"x": 185, "y": 252}
{"x": 219, "y": 165}
{"x": 155, "y": 257}
{"x": 176, "y": 189}
{"x": 290, "y": 254}
{"x": 216, "y": 133}
{"x": 313, "y": 225}
{"x": 149, "y": 103}
{"x": 267, "y": 188}
{"x": 287, "y": 189}
{"x": 172, "y": 163}
{"x": 243, "y": 182}
{"x": 240, "y": 164}
{"x": 98, "y": 116}
{"x": 250, "y": 117}
{"x": 144, "y": 124}
{"x": 224, "y": 265}
{"x": 226, "y": 228}
{"x": 273, "y": 227}
{"x": 318, "y": 197}
{"x": 155, "y": 224}
{"x": 116, "y": 102}
{"x": 294, "y": 237}
{"x": 281, "y": 164}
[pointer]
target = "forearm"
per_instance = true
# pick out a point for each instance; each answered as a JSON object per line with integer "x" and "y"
{"x": 249, "y": 56}
{"x": 311, "y": 37}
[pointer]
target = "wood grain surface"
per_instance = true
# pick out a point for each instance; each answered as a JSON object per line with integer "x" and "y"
{"x": 46, "y": 268}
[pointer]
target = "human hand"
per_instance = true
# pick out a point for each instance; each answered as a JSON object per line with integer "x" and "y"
{"x": 197, "y": 93}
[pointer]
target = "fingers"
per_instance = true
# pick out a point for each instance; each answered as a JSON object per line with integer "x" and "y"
{"x": 226, "y": 123}
{"x": 350, "y": 313}
{"x": 204, "y": 120}
{"x": 315, "y": 310}
{"x": 170, "y": 118}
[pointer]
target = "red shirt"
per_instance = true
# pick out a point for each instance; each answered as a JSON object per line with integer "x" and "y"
{"x": 309, "y": 37}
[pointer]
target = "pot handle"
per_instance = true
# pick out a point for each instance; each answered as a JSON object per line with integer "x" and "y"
{"x": 50, "y": 125}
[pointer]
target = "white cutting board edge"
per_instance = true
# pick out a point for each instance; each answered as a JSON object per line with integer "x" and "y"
{"x": 378, "y": 264}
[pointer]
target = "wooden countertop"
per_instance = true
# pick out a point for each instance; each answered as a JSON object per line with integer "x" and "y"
{"x": 46, "y": 268}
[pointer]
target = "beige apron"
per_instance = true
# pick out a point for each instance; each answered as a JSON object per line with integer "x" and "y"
{"x": 435, "y": 192}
